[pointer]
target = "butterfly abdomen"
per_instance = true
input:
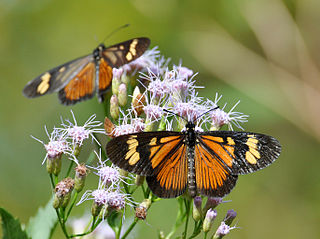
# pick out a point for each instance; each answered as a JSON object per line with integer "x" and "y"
{"x": 190, "y": 142}
{"x": 192, "y": 188}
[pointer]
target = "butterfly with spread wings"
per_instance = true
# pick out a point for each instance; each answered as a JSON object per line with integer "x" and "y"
{"x": 86, "y": 76}
{"x": 206, "y": 163}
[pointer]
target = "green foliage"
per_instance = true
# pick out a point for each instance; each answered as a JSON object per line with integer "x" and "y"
{"x": 42, "y": 225}
{"x": 11, "y": 227}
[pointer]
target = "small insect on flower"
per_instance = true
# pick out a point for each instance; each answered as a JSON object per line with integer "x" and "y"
{"x": 206, "y": 163}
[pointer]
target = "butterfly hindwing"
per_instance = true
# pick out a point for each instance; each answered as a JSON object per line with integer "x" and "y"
{"x": 213, "y": 173}
{"x": 80, "y": 87}
{"x": 56, "y": 78}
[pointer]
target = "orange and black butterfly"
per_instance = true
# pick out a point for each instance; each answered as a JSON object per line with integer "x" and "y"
{"x": 81, "y": 78}
{"x": 206, "y": 163}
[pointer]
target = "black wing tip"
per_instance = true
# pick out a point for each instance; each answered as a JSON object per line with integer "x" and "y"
{"x": 29, "y": 90}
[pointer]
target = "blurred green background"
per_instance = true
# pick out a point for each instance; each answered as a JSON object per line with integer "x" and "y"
{"x": 265, "y": 53}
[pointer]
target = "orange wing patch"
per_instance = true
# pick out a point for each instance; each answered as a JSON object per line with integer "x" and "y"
{"x": 159, "y": 152}
{"x": 172, "y": 174}
{"x": 225, "y": 152}
{"x": 82, "y": 85}
{"x": 210, "y": 172}
{"x": 105, "y": 75}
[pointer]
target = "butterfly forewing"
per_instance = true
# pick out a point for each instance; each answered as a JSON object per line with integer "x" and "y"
{"x": 242, "y": 152}
{"x": 161, "y": 156}
{"x": 125, "y": 52}
{"x": 56, "y": 78}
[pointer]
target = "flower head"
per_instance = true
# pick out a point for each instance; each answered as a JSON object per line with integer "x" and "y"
{"x": 57, "y": 144}
{"x": 223, "y": 230}
{"x": 80, "y": 133}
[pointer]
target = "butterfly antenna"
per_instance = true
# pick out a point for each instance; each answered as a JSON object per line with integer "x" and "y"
{"x": 168, "y": 111}
{"x": 207, "y": 112}
{"x": 115, "y": 30}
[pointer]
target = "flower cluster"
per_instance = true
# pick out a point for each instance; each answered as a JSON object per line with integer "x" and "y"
{"x": 166, "y": 93}
{"x": 109, "y": 195}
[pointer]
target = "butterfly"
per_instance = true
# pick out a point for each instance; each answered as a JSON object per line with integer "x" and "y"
{"x": 206, "y": 163}
{"x": 88, "y": 75}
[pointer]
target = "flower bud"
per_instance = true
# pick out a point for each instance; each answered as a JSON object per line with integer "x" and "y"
{"x": 80, "y": 177}
{"x": 125, "y": 79}
{"x": 212, "y": 202}
{"x": 208, "y": 220}
{"x": 109, "y": 127}
{"x": 114, "y": 107}
{"x": 139, "y": 180}
{"x": 96, "y": 208}
{"x": 54, "y": 165}
{"x": 122, "y": 94}
{"x": 138, "y": 101}
{"x": 116, "y": 80}
{"x": 63, "y": 192}
{"x": 141, "y": 210}
{"x": 123, "y": 173}
{"x": 197, "y": 211}
{"x": 230, "y": 216}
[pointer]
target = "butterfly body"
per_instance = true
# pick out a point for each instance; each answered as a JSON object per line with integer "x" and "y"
{"x": 86, "y": 76}
{"x": 206, "y": 163}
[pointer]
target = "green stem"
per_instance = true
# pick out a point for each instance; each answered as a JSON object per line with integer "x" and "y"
{"x": 56, "y": 179}
{"x": 118, "y": 232}
{"x": 130, "y": 228}
{"x": 179, "y": 220}
{"x": 187, "y": 206}
{"x": 75, "y": 196}
{"x": 93, "y": 227}
{"x": 196, "y": 229}
{"x": 62, "y": 224}
{"x": 52, "y": 182}
{"x": 69, "y": 169}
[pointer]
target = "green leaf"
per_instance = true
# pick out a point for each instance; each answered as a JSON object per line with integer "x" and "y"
{"x": 42, "y": 225}
{"x": 11, "y": 227}
{"x": 114, "y": 220}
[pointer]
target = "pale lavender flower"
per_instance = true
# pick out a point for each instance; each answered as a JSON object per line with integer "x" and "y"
{"x": 153, "y": 112}
{"x": 99, "y": 196}
{"x": 128, "y": 124}
{"x": 80, "y": 133}
{"x": 208, "y": 220}
{"x": 116, "y": 200}
{"x": 57, "y": 144}
{"x": 223, "y": 230}
{"x": 117, "y": 73}
{"x": 109, "y": 176}
{"x": 189, "y": 110}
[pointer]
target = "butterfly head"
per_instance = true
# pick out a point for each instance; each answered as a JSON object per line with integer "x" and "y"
{"x": 190, "y": 126}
